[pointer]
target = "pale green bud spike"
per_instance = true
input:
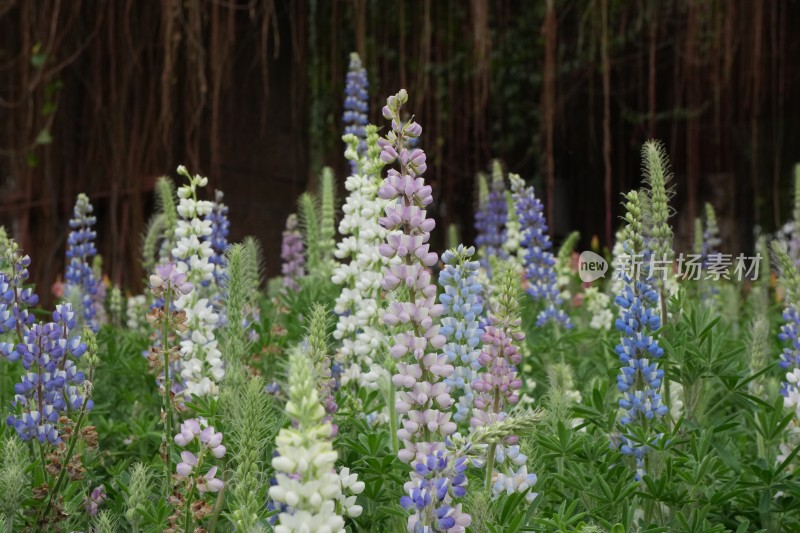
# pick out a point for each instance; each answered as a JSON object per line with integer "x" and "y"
{"x": 13, "y": 475}
{"x": 307, "y": 211}
{"x": 317, "y": 335}
{"x": 373, "y": 164}
{"x": 657, "y": 176}
{"x": 304, "y": 403}
{"x": 327, "y": 219}
{"x": 150, "y": 241}
{"x": 482, "y": 189}
{"x": 508, "y": 293}
{"x": 567, "y": 247}
{"x": 498, "y": 182}
{"x": 138, "y": 494}
{"x": 105, "y": 522}
{"x": 453, "y": 236}
{"x": 253, "y": 423}
{"x": 634, "y": 236}
{"x": 698, "y": 236}
{"x": 789, "y": 277}
{"x": 165, "y": 204}
{"x": 239, "y": 297}
{"x": 255, "y": 263}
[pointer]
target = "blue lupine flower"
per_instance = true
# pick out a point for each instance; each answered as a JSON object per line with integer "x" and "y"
{"x": 15, "y": 299}
{"x": 220, "y": 228}
{"x": 356, "y": 105}
{"x": 51, "y": 384}
{"x": 80, "y": 277}
{"x": 459, "y": 323}
{"x": 490, "y": 222}
{"x": 438, "y": 479}
{"x": 638, "y": 351}
{"x": 539, "y": 259}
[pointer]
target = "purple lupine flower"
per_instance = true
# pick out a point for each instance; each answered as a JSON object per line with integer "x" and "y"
{"x": 462, "y": 309}
{"x": 293, "y": 267}
{"x": 50, "y": 385}
{"x": 539, "y": 259}
{"x": 220, "y": 228}
{"x": 490, "y": 222}
{"x": 80, "y": 277}
{"x": 15, "y": 299}
{"x": 499, "y": 384}
{"x": 439, "y": 479}
{"x": 169, "y": 278}
{"x": 423, "y": 399}
{"x": 203, "y": 440}
{"x": 356, "y": 105}
{"x": 95, "y": 500}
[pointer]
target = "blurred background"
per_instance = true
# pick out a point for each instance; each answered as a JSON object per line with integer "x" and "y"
{"x": 104, "y": 97}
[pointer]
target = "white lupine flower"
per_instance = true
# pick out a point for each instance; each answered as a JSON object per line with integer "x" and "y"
{"x": 305, "y": 465}
{"x": 135, "y": 312}
{"x": 201, "y": 367}
{"x": 597, "y": 304}
{"x": 358, "y": 327}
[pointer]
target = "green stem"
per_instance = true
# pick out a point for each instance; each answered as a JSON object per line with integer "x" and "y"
{"x": 70, "y": 450}
{"x": 190, "y": 495}
{"x": 167, "y": 401}
{"x": 493, "y": 446}
{"x": 393, "y": 418}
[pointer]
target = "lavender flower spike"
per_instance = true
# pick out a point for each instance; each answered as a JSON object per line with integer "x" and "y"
{"x": 356, "y": 105}
{"x": 424, "y": 397}
{"x": 490, "y": 220}
{"x": 539, "y": 259}
{"x": 81, "y": 285}
{"x": 293, "y": 267}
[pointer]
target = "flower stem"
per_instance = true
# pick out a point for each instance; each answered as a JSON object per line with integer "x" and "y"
{"x": 167, "y": 401}
{"x": 190, "y": 495}
{"x": 393, "y": 418}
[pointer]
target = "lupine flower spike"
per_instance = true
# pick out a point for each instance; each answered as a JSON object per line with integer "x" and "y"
{"x": 293, "y": 267}
{"x": 356, "y": 106}
{"x": 640, "y": 378}
{"x": 359, "y": 305}
{"x": 539, "y": 259}
{"x": 202, "y": 367}
{"x": 490, "y": 219}
{"x": 462, "y": 308}
{"x": 424, "y": 400}
{"x": 81, "y": 284}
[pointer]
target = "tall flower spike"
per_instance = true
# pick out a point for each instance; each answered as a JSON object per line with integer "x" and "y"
{"x": 423, "y": 400}
{"x": 359, "y": 305}
{"x": 304, "y": 467}
{"x": 497, "y": 385}
{"x": 220, "y": 228}
{"x": 15, "y": 299}
{"x": 356, "y": 106}
{"x": 460, "y": 326}
{"x": 790, "y": 330}
{"x": 416, "y": 334}
{"x": 640, "y": 378}
{"x": 657, "y": 176}
{"x": 202, "y": 367}
{"x": 317, "y": 346}
{"x": 293, "y": 267}
{"x": 51, "y": 384}
{"x": 490, "y": 219}
{"x": 539, "y": 259}
{"x": 81, "y": 283}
